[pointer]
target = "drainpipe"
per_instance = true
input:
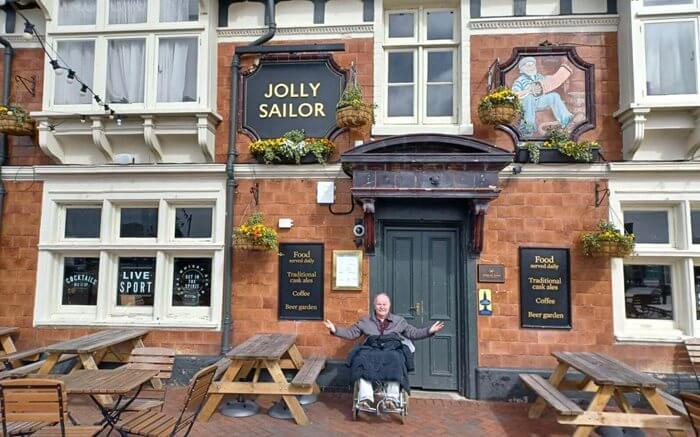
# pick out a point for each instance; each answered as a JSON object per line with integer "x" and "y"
{"x": 230, "y": 179}
{"x": 7, "y": 73}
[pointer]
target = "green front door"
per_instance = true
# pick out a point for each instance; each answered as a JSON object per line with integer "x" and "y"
{"x": 421, "y": 276}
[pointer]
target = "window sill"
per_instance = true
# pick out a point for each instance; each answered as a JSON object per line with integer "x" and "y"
{"x": 170, "y": 324}
{"x": 402, "y": 129}
{"x": 671, "y": 337}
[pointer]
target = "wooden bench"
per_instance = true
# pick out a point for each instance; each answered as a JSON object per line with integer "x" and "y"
{"x": 21, "y": 372}
{"x": 555, "y": 398}
{"x": 306, "y": 376}
{"x": 28, "y": 355}
{"x": 673, "y": 403}
{"x": 221, "y": 367}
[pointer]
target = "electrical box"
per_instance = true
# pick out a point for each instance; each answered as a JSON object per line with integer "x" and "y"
{"x": 325, "y": 192}
{"x": 285, "y": 223}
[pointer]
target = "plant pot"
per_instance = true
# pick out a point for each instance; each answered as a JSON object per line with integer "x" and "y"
{"x": 349, "y": 116}
{"x": 242, "y": 243}
{"x": 309, "y": 158}
{"x": 522, "y": 155}
{"x": 11, "y": 124}
{"x": 613, "y": 249}
{"x": 497, "y": 114}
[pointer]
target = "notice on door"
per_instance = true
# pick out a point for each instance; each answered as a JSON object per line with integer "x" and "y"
{"x": 301, "y": 281}
{"x": 545, "y": 288}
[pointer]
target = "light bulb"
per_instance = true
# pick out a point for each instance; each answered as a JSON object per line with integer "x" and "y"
{"x": 28, "y": 30}
{"x": 70, "y": 77}
{"x": 119, "y": 121}
{"x": 83, "y": 90}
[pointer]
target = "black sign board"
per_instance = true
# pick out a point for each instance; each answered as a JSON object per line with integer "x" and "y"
{"x": 80, "y": 277}
{"x": 492, "y": 273}
{"x": 136, "y": 282}
{"x": 280, "y": 96}
{"x": 545, "y": 288}
{"x": 191, "y": 282}
{"x": 301, "y": 281}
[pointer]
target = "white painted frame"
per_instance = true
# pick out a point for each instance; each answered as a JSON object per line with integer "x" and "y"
{"x": 152, "y": 30}
{"x": 677, "y": 196}
{"x": 462, "y": 72}
{"x": 167, "y": 192}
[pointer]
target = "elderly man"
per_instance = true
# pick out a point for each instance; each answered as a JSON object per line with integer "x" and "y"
{"x": 382, "y": 322}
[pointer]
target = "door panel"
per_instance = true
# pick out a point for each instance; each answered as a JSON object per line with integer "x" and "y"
{"x": 421, "y": 278}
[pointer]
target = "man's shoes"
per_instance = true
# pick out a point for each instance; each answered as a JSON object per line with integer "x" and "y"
{"x": 390, "y": 404}
{"x": 365, "y": 404}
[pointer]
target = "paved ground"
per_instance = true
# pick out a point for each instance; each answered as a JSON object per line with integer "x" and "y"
{"x": 332, "y": 416}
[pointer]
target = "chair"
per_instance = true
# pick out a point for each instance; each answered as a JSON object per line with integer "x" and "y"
{"x": 151, "y": 423}
{"x": 151, "y": 358}
{"x": 692, "y": 407}
{"x": 31, "y": 406}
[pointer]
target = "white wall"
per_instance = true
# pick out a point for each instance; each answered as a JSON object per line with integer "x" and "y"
{"x": 496, "y": 8}
{"x": 344, "y": 12}
{"x": 295, "y": 13}
{"x": 589, "y": 6}
{"x": 246, "y": 15}
{"x": 542, "y": 7}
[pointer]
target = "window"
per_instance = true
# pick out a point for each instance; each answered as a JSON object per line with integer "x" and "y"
{"x": 420, "y": 50}
{"x": 667, "y": 2}
{"x": 157, "y": 62}
{"x": 671, "y": 60}
{"x": 654, "y": 287}
{"x": 111, "y": 261}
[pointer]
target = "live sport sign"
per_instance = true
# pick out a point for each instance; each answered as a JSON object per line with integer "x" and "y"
{"x": 292, "y": 94}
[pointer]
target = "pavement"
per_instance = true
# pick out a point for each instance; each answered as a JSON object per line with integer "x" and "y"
{"x": 332, "y": 416}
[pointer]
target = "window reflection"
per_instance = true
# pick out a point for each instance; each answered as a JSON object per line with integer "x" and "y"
{"x": 648, "y": 292}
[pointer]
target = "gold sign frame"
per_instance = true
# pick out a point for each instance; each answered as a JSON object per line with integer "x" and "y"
{"x": 357, "y": 256}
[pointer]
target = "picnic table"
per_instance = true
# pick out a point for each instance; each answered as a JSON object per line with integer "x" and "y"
{"x": 607, "y": 378}
{"x": 119, "y": 382}
{"x": 92, "y": 349}
{"x": 8, "y": 346}
{"x": 271, "y": 352}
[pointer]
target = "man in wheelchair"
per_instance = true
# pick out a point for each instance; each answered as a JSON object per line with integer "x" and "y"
{"x": 376, "y": 360}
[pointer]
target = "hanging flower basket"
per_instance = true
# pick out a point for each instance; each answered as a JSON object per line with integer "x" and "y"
{"x": 15, "y": 121}
{"x": 254, "y": 235}
{"x": 500, "y": 106}
{"x": 607, "y": 241}
{"x": 350, "y": 116}
{"x": 292, "y": 148}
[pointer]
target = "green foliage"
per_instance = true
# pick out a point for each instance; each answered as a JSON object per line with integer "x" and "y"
{"x": 291, "y": 148}
{"x": 558, "y": 138}
{"x": 501, "y": 96}
{"x": 607, "y": 232}
{"x": 254, "y": 232}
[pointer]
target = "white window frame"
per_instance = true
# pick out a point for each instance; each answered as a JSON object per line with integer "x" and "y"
{"x": 152, "y": 31}
{"x": 460, "y": 122}
{"x": 680, "y": 255}
{"x": 112, "y": 195}
{"x": 642, "y": 15}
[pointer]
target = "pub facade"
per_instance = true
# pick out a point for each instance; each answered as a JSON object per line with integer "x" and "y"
{"x": 156, "y": 141}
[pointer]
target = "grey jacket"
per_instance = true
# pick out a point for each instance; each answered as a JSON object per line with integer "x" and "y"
{"x": 368, "y": 326}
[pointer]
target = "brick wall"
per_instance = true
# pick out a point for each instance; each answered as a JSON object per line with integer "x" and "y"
{"x": 554, "y": 213}
{"x": 358, "y": 51}
{"x": 255, "y": 288}
{"x": 25, "y": 63}
{"x": 599, "y": 49}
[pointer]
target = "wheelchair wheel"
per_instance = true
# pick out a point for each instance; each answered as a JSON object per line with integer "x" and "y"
{"x": 404, "y": 410}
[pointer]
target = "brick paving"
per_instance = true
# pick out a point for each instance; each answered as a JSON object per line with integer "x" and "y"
{"x": 332, "y": 416}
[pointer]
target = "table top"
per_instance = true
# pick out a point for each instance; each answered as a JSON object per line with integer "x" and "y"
{"x": 263, "y": 347}
{"x": 604, "y": 370}
{"x": 6, "y": 330}
{"x": 104, "y": 382}
{"x": 97, "y": 341}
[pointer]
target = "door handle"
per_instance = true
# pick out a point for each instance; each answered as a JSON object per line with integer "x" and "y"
{"x": 417, "y": 309}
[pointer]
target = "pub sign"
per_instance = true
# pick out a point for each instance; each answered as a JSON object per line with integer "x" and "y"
{"x": 281, "y": 95}
{"x": 301, "y": 281}
{"x": 545, "y": 288}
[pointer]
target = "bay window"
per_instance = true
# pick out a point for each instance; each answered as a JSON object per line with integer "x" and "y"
{"x": 112, "y": 257}
{"x": 655, "y": 290}
{"x": 136, "y": 54}
{"x": 421, "y": 55}
{"x": 670, "y": 45}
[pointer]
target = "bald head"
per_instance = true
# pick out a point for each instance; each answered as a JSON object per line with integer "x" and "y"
{"x": 382, "y": 305}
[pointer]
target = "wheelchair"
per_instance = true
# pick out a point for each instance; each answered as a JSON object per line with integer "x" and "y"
{"x": 379, "y": 402}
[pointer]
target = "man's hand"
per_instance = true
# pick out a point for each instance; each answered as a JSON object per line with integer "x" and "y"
{"x": 331, "y": 326}
{"x": 437, "y": 327}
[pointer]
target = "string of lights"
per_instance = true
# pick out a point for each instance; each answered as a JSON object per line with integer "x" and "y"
{"x": 59, "y": 65}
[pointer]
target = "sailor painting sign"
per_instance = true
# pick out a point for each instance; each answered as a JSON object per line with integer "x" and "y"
{"x": 292, "y": 94}
{"x": 555, "y": 87}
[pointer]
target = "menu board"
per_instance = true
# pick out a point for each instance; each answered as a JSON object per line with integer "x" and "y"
{"x": 301, "y": 281}
{"x": 545, "y": 288}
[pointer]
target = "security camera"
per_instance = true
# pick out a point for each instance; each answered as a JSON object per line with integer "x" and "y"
{"x": 358, "y": 230}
